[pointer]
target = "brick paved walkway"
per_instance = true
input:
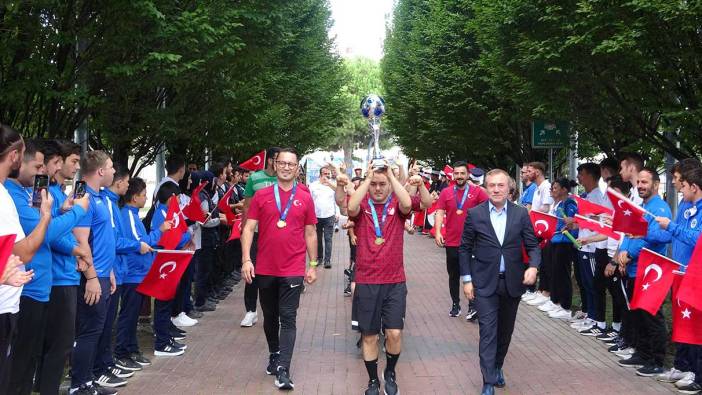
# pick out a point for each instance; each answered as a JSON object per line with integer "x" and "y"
{"x": 440, "y": 353}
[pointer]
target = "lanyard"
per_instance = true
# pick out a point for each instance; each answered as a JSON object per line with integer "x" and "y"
{"x": 376, "y": 225}
{"x": 284, "y": 213}
{"x": 463, "y": 199}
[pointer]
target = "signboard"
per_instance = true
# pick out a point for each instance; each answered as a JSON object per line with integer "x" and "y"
{"x": 549, "y": 134}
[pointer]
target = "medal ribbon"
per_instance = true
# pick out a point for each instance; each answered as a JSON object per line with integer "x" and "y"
{"x": 276, "y": 192}
{"x": 376, "y": 225}
{"x": 463, "y": 199}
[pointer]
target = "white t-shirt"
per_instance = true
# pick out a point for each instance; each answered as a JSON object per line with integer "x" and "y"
{"x": 595, "y": 196}
{"x": 9, "y": 224}
{"x": 324, "y": 202}
{"x": 542, "y": 196}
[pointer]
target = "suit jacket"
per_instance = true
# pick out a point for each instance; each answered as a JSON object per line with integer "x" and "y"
{"x": 480, "y": 250}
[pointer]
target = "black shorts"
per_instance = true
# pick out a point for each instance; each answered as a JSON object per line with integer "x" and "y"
{"x": 376, "y": 304}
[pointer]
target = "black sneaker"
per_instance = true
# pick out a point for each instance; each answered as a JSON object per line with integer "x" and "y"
{"x": 127, "y": 364}
{"x": 455, "y": 310}
{"x": 649, "y": 370}
{"x": 140, "y": 359}
{"x": 272, "y": 363}
{"x": 472, "y": 314}
{"x": 617, "y": 347}
{"x": 178, "y": 345}
{"x": 634, "y": 362}
{"x": 176, "y": 335}
{"x": 85, "y": 389}
{"x": 282, "y": 379}
{"x": 347, "y": 290}
{"x": 173, "y": 328}
{"x": 609, "y": 334}
{"x": 100, "y": 390}
{"x": 327, "y": 265}
{"x": 390, "y": 383}
{"x": 373, "y": 388}
{"x": 194, "y": 314}
{"x": 593, "y": 331}
{"x": 168, "y": 351}
{"x": 123, "y": 374}
{"x": 692, "y": 388}
{"x": 614, "y": 341}
{"x": 109, "y": 380}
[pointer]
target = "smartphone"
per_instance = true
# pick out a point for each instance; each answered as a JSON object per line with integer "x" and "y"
{"x": 79, "y": 190}
{"x": 41, "y": 182}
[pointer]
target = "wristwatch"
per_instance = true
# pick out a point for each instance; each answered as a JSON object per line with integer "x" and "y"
{"x": 313, "y": 263}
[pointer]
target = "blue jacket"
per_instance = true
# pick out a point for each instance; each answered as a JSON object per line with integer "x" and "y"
{"x": 39, "y": 288}
{"x": 124, "y": 244}
{"x": 686, "y": 231}
{"x": 655, "y": 240}
{"x": 137, "y": 265}
{"x": 160, "y": 216}
{"x": 570, "y": 208}
{"x": 63, "y": 266}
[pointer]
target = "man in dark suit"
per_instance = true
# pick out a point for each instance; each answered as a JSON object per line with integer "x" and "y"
{"x": 494, "y": 273}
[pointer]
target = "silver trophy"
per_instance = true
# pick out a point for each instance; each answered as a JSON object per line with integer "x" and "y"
{"x": 373, "y": 108}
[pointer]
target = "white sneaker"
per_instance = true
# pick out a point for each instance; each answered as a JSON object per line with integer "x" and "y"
{"x": 685, "y": 381}
{"x": 183, "y": 320}
{"x": 548, "y": 307}
{"x": 527, "y": 296}
{"x": 671, "y": 376}
{"x": 249, "y": 319}
{"x": 561, "y": 314}
{"x": 538, "y": 300}
{"x": 625, "y": 352}
{"x": 586, "y": 323}
{"x": 578, "y": 316}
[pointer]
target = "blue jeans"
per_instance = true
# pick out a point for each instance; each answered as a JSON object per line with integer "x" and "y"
{"x": 325, "y": 232}
{"x": 127, "y": 342}
{"x": 586, "y": 266}
{"x": 90, "y": 322}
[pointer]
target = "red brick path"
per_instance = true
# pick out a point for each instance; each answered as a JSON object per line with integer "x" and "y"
{"x": 440, "y": 354}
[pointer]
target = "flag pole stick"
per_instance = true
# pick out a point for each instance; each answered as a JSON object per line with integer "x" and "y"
{"x": 176, "y": 251}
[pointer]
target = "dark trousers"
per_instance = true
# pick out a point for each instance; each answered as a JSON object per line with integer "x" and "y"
{"x": 103, "y": 357}
{"x": 496, "y": 316}
{"x": 126, "y": 342}
{"x": 27, "y": 347}
{"x": 59, "y": 333}
{"x": 280, "y": 298}
{"x": 454, "y": 276}
{"x": 562, "y": 256}
{"x": 603, "y": 284}
{"x": 586, "y": 267}
{"x": 203, "y": 286}
{"x": 629, "y": 331}
{"x": 649, "y": 333}
{"x": 251, "y": 290}
{"x": 325, "y": 231}
{"x": 546, "y": 269}
{"x": 162, "y": 323}
{"x": 8, "y": 331}
{"x": 90, "y": 322}
{"x": 236, "y": 258}
{"x": 686, "y": 356}
{"x": 352, "y": 253}
{"x": 182, "y": 301}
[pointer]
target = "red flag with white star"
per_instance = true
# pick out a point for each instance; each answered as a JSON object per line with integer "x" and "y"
{"x": 236, "y": 228}
{"x": 597, "y": 226}
{"x": 256, "y": 162}
{"x": 628, "y": 216}
{"x": 193, "y": 210}
{"x": 544, "y": 224}
{"x": 170, "y": 238}
{"x": 586, "y": 207}
{"x": 163, "y": 278}
{"x": 687, "y": 321}
{"x": 691, "y": 284}
{"x": 654, "y": 276}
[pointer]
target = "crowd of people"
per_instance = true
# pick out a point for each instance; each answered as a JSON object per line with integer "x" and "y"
{"x": 82, "y": 248}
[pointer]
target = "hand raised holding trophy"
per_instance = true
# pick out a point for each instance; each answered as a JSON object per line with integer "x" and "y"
{"x": 373, "y": 108}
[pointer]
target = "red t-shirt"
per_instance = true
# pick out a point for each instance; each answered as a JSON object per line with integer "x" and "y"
{"x": 281, "y": 251}
{"x": 380, "y": 264}
{"x": 454, "y": 222}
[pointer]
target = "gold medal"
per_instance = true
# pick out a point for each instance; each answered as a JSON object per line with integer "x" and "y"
{"x": 459, "y": 211}
{"x": 379, "y": 241}
{"x": 281, "y": 224}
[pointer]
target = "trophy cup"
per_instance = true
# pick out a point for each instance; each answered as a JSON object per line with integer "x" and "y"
{"x": 373, "y": 108}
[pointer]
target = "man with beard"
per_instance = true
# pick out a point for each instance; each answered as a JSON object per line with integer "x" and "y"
{"x": 452, "y": 208}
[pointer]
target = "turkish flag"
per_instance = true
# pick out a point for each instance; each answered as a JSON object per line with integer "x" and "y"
{"x": 687, "y": 320}
{"x": 236, "y": 229}
{"x": 544, "y": 224}
{"x": 166, "y": 270}
{"x": 223, "y": 205}
{"x": 597, "y": 226}
{"x": 654, "y": 276}
{"x": 7, "y": 243}
{"x": 586, "y": 207}
{"x": 170, "y": 238}
{"x": 443, "y": 230}
{"x": 193, "y": 210}
{"x": 628, "y": 217}
{"x": 691, "y": 285}
{"x": 256, "y": 162}
{"x": 448, "y": 170}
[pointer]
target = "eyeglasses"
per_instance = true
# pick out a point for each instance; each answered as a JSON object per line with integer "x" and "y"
{"x": 283, "y": 164}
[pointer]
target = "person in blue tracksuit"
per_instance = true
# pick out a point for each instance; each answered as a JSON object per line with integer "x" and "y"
{"x": 685, "y": 231}
{"x": 646, "y": 332}
{"x": 127, "y": 353}
{"x": 164, "y": 344}
{"x": 34, "y": 299}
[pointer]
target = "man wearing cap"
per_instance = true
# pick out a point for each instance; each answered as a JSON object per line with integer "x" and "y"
{"x": 477, "y": 175}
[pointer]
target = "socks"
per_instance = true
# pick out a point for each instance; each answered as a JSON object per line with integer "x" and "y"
{"x": 617, "y": 326}
{"x": 601, "y": 325}
{"x": 392, "y": 361}
{"x": 372, "y": 368}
